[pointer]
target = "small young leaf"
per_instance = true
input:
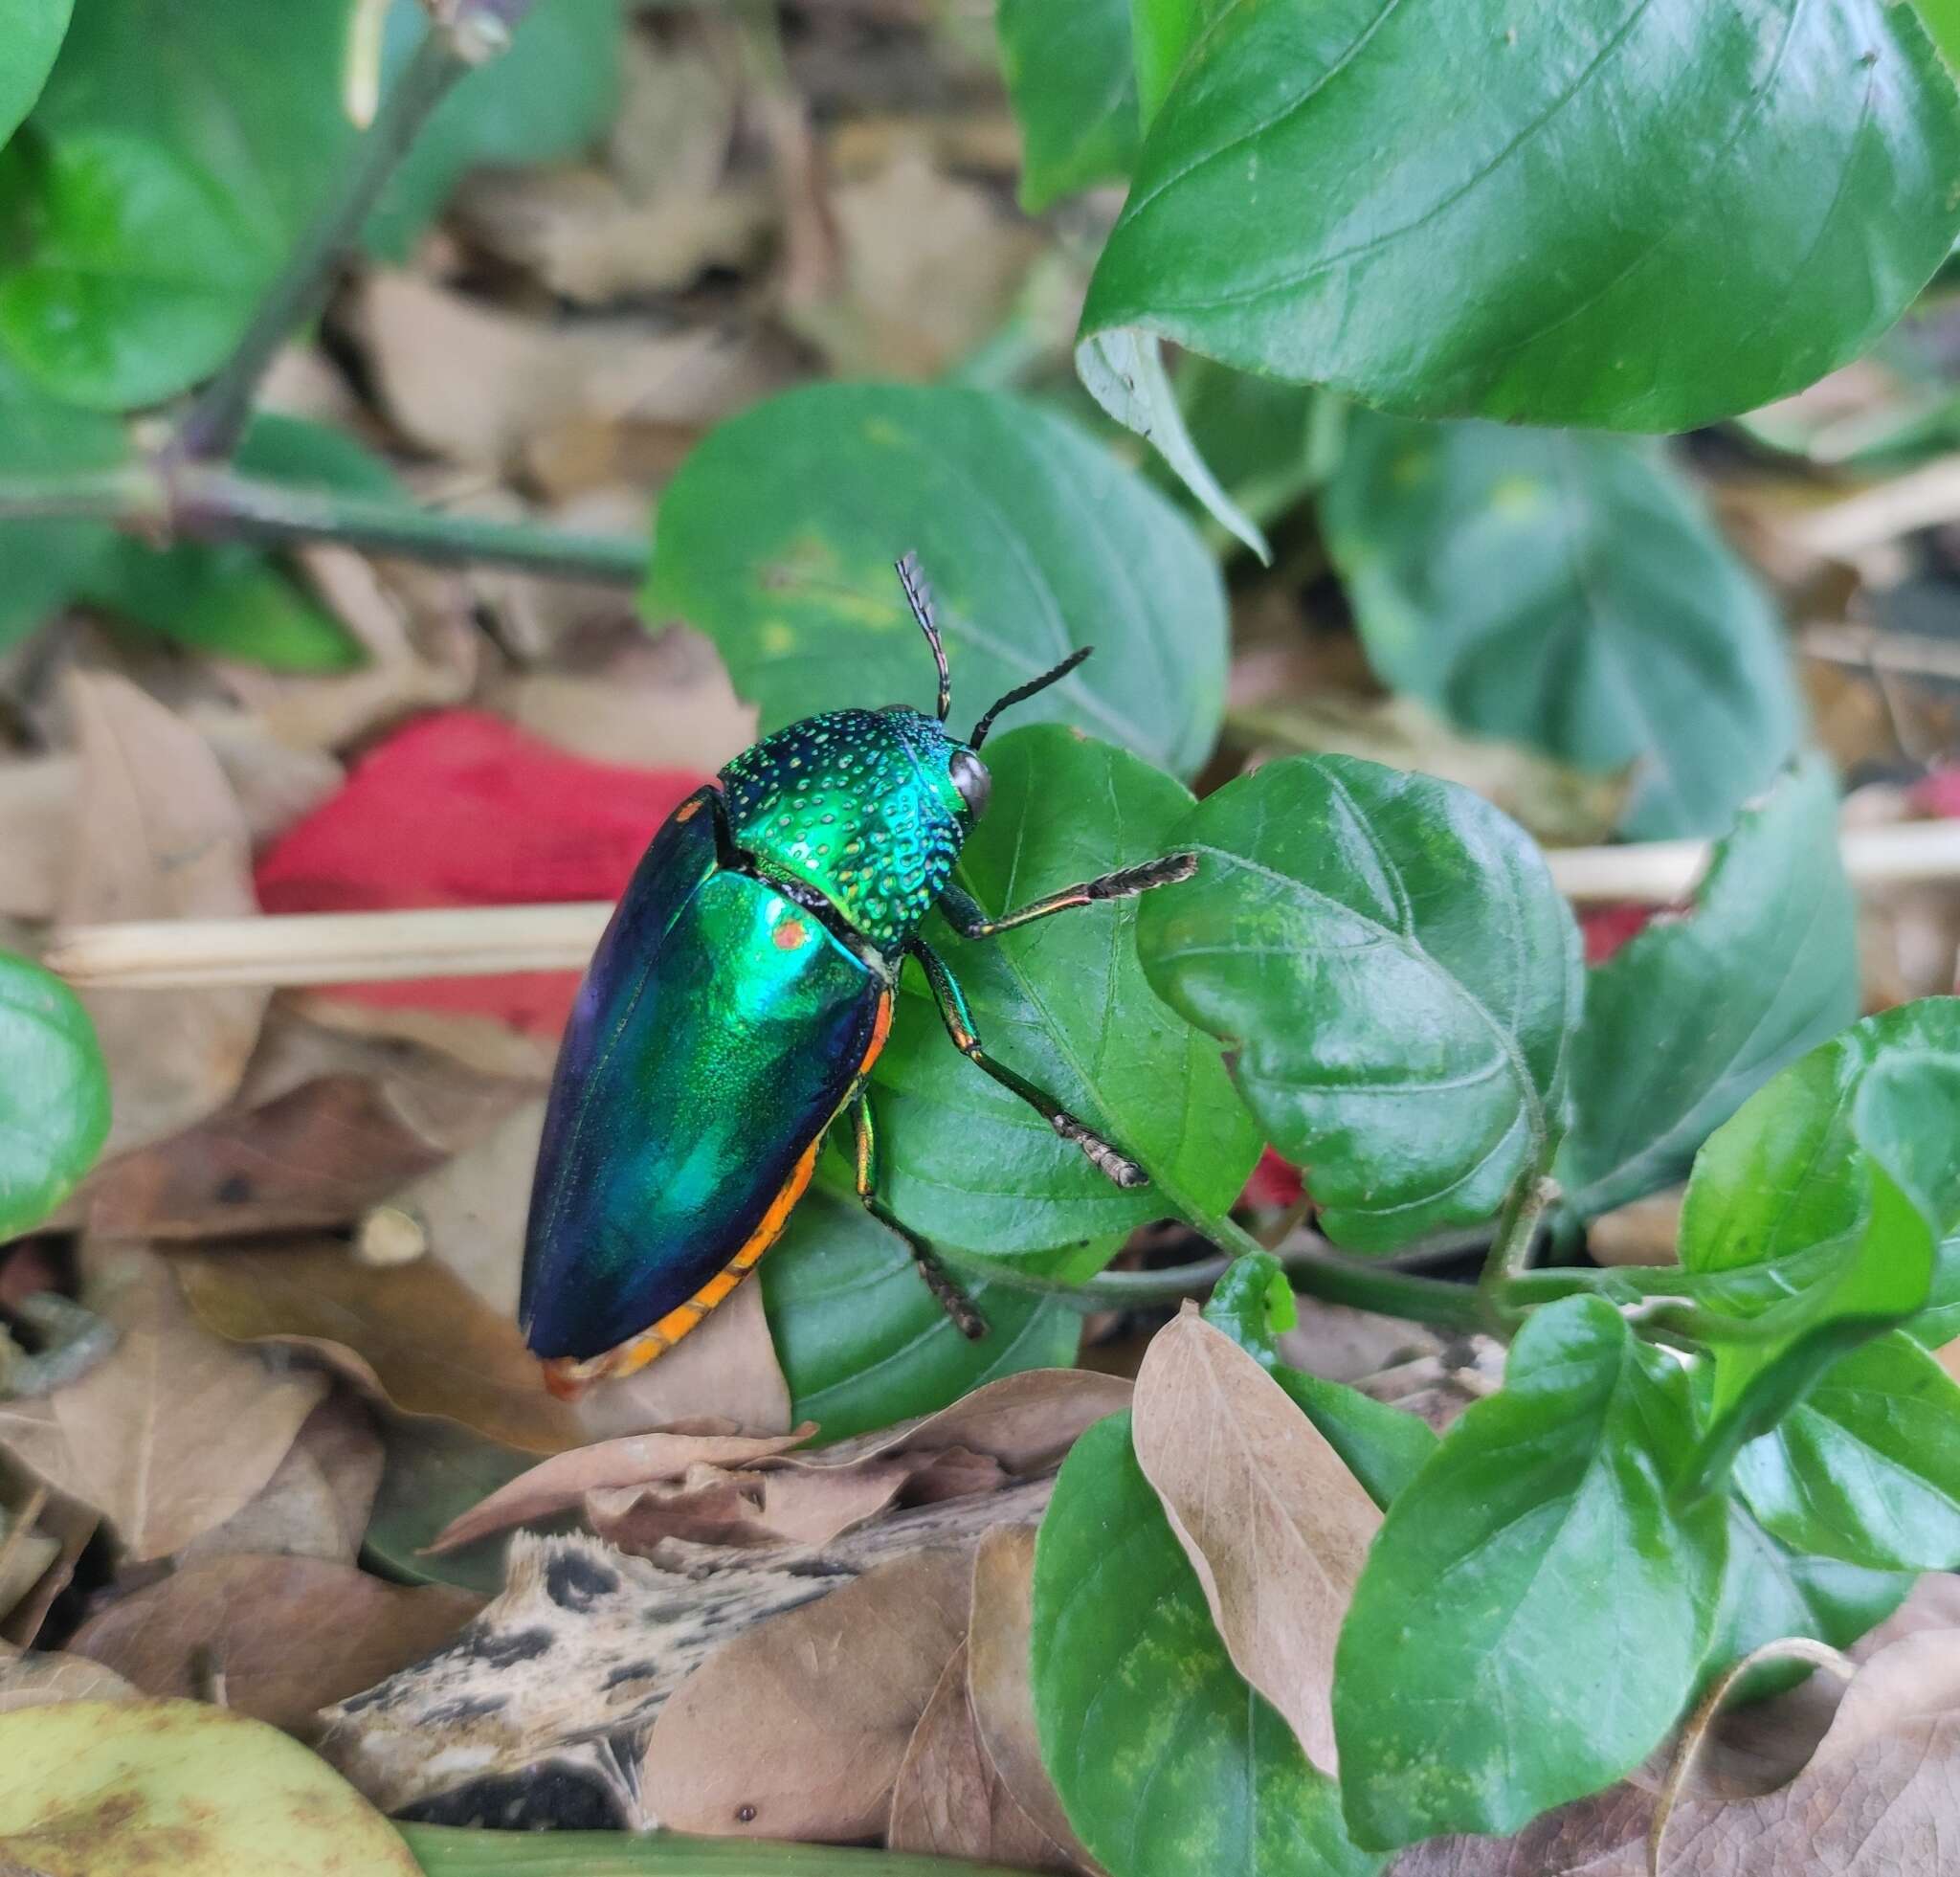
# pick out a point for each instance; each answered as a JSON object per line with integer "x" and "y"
{"x": 865, "y": 1344}
{"x": 1064, "y": 1002}
{"x": 54, "y": 1094}
{"x": 1866, "y": 1469}
{"x": 1535, "y": 1609}
{"x": 1692, "y": 1015}
{"x": 1533, "y": 255}
{"x": 1387, "y": 957}
{"x": 777, "y": 538}
{"x": 1072, "y": 82}
{"x": 31, "y": 34}
{"x": 1769, "y": 1591}
{"x": 133, "y": 280}
{"x": 1569, "y": 593}
{"x": 1168, "y": 1764}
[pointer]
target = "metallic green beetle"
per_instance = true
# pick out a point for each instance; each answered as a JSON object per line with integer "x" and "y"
{"x": 733, "y": 1011}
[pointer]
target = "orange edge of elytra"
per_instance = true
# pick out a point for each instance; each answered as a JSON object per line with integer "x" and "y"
{"x": 569, "y": 1376}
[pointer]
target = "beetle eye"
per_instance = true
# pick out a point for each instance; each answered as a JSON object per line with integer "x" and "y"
{"x": 971, "y": 778}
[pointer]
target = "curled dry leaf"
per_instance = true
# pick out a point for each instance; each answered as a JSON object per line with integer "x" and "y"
{"x": 65, "y": 1521}
{"x": 949, "y": 1801}
{"x": 1275, "y": 1526}
{"x": 139, "y": 850}
{"x": 317, "y": 1502}
{"x": 412, "y": 1334}
{"x": 173, "y": 1431}
{"x": 797, "y": 1728}
{"x": 288, "y": 1635}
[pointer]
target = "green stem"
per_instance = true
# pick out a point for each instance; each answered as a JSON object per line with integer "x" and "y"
{"x": 210, "y": 501}
{"x": 1510, "y": 1251}
{"x": 216, "y": 420}
{"x": 454, "y": 1851}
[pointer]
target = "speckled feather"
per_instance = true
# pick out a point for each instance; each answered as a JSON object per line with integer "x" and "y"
{"x": 859, "y": 804}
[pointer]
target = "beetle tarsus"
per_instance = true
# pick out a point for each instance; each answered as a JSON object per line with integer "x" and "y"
{"x": 1132, "y": 881}
{"x": 1106, "y": 1160}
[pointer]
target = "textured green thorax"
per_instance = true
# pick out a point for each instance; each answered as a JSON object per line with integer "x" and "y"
{"x": 859, "y": 804}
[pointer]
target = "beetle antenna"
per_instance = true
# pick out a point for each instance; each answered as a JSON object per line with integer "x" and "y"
{"x": 919, "y": 596}
{"x": 1021, "y": 693}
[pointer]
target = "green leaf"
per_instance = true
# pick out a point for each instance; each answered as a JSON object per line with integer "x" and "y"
{"x": 1867, "y": 1468}
{"x": 1692, "y": 1015}
{"x": 1769, "y": 1591}
{"x": 1064, "y": 1002}
{"x": 1535, "y": 252}
{"x": 551, "y": 95}
{"x": 54, "y": 1094}
{"x": 128, "y": 277}
{"x": 1569, "y": 592}
{"x": 864, "y": 1343}
{"x": 1072, "y": 82}
{"x": 1397, "y": 975}
{"x": 30, "y": 33}
{"x": 1168, "y": 1764}
{"x": 1165, "y": 30}
{"x": 231, "y": 599}
{"x": 1534, "y": 1611}
{"x": 43, "y": 562}
{"x": 1264, "y": 440}
{"x": 1383, "y": 1447}
{"x": 778, "y": 534}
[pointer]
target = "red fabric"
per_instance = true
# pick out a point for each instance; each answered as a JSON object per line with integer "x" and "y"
{"x": 1609, "y": 927}
{"x": 461, "y": 808}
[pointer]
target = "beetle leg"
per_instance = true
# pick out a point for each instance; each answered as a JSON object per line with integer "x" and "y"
{"x": 952, "y": 1300}
{"x": 959, "y": 1025}
{"x": 965, "y": 916}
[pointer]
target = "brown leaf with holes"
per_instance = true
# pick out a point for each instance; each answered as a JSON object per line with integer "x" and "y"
{"x": 412, "y": 1334}
{"x": 173, "y": 1431}
{"x": 797, "y": 1728}
{"x": 949, "y": 1802}
{"x": 1274, "y": 1524}
{"x": 146, "y": 851}
{"x": 317, "y": 1502}
{"x": 288, "y": 1635}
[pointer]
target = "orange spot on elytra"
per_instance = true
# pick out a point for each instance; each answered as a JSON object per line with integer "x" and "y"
{"x": 688, "y": 811}
{"x": 791, "y": 933}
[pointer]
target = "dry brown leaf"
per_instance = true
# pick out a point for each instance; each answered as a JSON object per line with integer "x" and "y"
{"x": 70, "y": 1525}
{"x": 1349, "y": 1346}
{"x": 1881, "y": 1795}
{"x": 797, "y": 1728}
{"x": 560, "y": 1482}
{"x": 1023, "y": 1420}
{"x": 413, "y": 1335}
{"x": 26, "y": 1552}
{"x": 1602, "y": 1837}
{"x": 1000, "y": 1646}
{"x": 949, "y": 1802}
{"x": 142, "y": 851}
{"x": 37, "y": 1680}
{"x": 288, "y": 1635}
{"x": 173, "y": 1431}
{"x": 1275, "y": 1526}
{"x": 317, "y": 1502}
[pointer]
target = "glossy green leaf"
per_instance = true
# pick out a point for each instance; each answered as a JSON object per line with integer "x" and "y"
{"x": 1534, "y": 1611}
{"x": 42, "y": 563}
{"x": 864, "y": 1343}
{"x": 1395, "y": 975}
{"x": 234, "y": 600}
{"x": 1866, "y": 1469}
{"x": 1769, "y": 1591}
{"x": 549, "y": 97}
{"x": 30, "y": 33}
{"x": 1529, "y": 246}
{"x": 1569, "y": 593}
{"x": 778, "y": 534}
{"x": 1691, "y": 1016}
{"x": 1782, "y": 1194}
{"x": 1384, "y": 1447}
{"x": 129, "y": 276}
{"x": 1169, "y": 1765}
{"x": 1264, "y": 440}
{"x": 1165, "y": 30}
{"x": 1072, "y": 82}
{"x": 54, "y": 1094}
{"x": 1065, "y": 1003}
